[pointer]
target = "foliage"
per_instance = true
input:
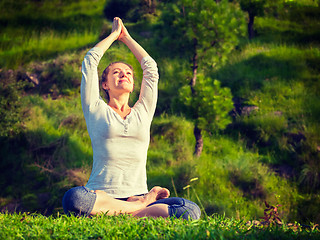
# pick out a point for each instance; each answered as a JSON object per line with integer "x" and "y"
{"x": 206, "y": 28}
{"x": 211, "y": 102}
{"x": 210, "y": 32}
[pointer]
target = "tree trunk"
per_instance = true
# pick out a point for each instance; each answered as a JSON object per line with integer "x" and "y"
{"x": 151, "y": 6}
{"x": 199, "y": 141}
{"x": 196, "y": 131}
{"x": 250, "y": 26}
{"x": 194, "y": 67}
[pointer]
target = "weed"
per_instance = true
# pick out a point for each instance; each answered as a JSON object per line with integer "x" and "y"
{"x": 271, "y": 215}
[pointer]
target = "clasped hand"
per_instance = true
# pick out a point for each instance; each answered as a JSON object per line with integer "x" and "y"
{"x": 119, "y": 28}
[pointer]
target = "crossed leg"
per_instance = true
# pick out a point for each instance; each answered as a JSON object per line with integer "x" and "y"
{"x": 159, "y": 210}
{"x": 135, "y": 206}
{"x": 82, "y": 201}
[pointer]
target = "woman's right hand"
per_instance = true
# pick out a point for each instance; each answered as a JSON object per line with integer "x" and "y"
{"x": 116, "y": 27}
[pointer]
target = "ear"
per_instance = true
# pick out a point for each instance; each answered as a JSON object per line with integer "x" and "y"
{"x": 104, "y": 85}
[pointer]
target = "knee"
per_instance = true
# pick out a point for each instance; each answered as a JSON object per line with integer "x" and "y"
{"x": 69, "y": 201}
{"x": 78, "y": 201}
{"x": 181, "y": 208}
{"x": 190, "y": 210}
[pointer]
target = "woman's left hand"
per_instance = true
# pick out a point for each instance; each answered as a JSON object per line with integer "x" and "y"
{"x": 124, "y": 32}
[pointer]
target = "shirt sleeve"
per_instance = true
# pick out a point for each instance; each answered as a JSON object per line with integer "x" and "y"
{"x": 90, "y": 94}
{"x": 149, "y": 87}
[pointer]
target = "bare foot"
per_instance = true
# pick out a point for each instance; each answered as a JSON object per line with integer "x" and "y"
{"x": 163, "y": 193}
{"x": 135, "y": 198}
{"x": 156, "y": 193}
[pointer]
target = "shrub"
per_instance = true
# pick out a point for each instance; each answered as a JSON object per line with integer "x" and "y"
{"x": 10, "y": 103}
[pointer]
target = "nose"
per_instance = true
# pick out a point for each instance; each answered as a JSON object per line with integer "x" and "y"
{"x": 122, "y": 74}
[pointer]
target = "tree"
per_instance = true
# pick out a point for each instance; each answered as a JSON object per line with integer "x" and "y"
{"x": 207, "y": 32}
{"x": 254, "y": 8}
{"x": 210, "y": 105}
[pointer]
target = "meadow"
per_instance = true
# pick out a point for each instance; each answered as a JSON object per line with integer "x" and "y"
{"x": 269, "y": 153}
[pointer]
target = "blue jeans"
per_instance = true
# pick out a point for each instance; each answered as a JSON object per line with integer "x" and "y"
{"x": 80, "y": 201}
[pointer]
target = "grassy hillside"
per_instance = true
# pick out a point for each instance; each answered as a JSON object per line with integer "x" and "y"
{"x": 269, "y": 153}
{"x": 37, "y": 30}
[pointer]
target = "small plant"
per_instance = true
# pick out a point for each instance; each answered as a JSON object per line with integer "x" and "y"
{"x": 196, "y": 195}
{"x": 271, "y": 215}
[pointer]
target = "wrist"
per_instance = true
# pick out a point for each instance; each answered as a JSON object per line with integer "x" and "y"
{"x": 114, "y": 36}
{"x": 126, "y": 39}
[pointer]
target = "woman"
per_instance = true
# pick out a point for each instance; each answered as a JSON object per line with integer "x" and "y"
{"x": 120, "y": 138}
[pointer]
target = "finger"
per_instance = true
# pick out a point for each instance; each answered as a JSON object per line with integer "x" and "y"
{"x": 114, "y": 25}
{"x": 115, "y": 21}
{"x": 120, "y": 21}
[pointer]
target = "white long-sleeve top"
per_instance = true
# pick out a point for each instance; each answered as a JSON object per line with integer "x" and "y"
{"x": 119, "y": 146}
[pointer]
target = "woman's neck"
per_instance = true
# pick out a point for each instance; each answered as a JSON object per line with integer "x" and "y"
{"x": 120, "y": 105}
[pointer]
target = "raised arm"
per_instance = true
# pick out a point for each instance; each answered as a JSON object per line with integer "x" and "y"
{"x": 90, "y": 79}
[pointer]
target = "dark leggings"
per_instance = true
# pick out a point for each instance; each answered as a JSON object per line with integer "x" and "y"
{"x": 80, "y": 201}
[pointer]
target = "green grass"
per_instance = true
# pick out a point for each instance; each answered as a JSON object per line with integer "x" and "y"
{"x": 41, "y": 30}
{"x": 23, "y": 226}
{"x": 231, "y": 180}
{"x": 278, "y": 72}
{"x": 41, "y": 47}
{"x": 229, "y": 175}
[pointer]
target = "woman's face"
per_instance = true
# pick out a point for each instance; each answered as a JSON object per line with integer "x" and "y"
{"x": 119, "y": 79}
